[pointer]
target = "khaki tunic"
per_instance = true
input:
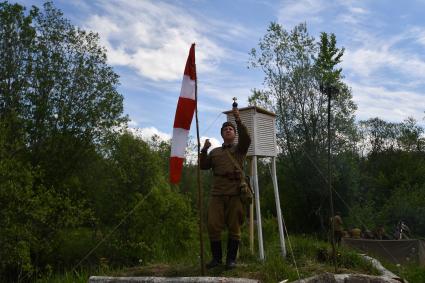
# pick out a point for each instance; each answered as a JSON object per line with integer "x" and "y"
{"x": 225, "y": 207}
{"x": 227, "y": 176}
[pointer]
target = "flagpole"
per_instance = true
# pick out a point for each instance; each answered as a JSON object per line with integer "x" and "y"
{"x": 200, "y": 192}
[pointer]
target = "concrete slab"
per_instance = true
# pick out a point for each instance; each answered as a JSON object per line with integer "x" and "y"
{"x": 106, "y": 279}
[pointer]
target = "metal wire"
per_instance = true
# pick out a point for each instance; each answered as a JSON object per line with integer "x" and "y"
{"x": 208, "y": 128}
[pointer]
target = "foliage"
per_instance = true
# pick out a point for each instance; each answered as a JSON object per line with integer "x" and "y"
{"x": 71, "y": 179}
{"x": 16, "y": 237}
{"x": 378, "y": 136}
{"x": 377, "y": 166}
{"x": 391, "y": 176}
{"x": 297, "y": 73}
{"x": 78, "y": 191}
{"x": 299, "y": 76}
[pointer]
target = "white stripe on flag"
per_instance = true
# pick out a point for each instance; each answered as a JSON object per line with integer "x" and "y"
{"x": 188, "y": 88}
{"x": 179, "y": 141}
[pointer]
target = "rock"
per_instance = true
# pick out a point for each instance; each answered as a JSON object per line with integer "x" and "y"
{"x": 321, "y": 278}
{"x": 377, "y": 264}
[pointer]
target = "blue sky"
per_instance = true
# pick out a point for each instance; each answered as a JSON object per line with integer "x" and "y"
{"x": 148, "y": 43}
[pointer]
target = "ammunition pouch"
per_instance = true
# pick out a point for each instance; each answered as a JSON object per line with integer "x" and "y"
{"x": 246, "y": 192}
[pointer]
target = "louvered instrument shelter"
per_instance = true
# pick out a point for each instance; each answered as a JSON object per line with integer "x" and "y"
{"x": 262, "y": 129}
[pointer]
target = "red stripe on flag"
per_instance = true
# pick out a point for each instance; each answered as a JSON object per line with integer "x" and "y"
{"x": 184, "y": 113}
{"x": 176, "y": 167}
{"x": 190, "y": 68}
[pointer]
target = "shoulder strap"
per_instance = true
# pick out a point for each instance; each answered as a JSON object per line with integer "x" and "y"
{"x": 236, "y": 163}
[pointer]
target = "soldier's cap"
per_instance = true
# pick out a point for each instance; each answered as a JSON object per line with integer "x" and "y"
{"x": 227, "y": 124}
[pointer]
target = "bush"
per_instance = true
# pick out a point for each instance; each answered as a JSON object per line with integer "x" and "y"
{"x": 162, "y": 227}
{"x": 16, "y": 235}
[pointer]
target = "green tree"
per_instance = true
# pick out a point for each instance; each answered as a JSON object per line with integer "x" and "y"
{"x": 137, "y": 180}
{"x": 296, "y": 68}
{"x": 298, "y": 72}
{"x": 391, "y": 178}
{"x": 378, "y": 135}
{"x": 16, "y": 37}
{"x": 59, "y": 108}
{"x": 411, "y": 136}
{"x": 73, "y": 97}
{"x": 135, "y": 170}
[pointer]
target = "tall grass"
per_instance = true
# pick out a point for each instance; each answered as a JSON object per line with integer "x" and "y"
{"x": 66, "y": 277}
{"x": 310, "y": 256}
{"x": 413, "y": 273}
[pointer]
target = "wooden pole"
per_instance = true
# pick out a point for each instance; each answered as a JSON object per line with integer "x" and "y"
{"x": 329, "y": 92}
{"x": 200, "y": 192}
{"x": 251, "y": 226}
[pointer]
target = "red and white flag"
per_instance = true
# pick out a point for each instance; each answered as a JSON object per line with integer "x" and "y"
{"x": 184, "y": 115}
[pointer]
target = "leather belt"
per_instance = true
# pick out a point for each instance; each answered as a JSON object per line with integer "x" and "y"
{"x": 230, "y": 175}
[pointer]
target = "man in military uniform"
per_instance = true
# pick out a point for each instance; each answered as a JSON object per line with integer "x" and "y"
{"x": 225, "y": 208}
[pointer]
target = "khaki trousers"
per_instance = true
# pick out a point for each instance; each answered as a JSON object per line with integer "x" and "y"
{"x": 225, "y": 211}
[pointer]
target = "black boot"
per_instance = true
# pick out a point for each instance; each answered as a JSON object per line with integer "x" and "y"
{"x": 232, "y": 251}
{"x": 216, "y": 254}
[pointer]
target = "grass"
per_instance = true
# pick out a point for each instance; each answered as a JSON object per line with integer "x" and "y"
{"x": 67, "y": 277}
{"x": 310, "y": 256}
{"x": 411, "y": 272}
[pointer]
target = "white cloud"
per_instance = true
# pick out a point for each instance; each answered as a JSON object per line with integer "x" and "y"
{"x": 385, "y": 71}
{"x": 225, "y": 94}
{"x": 293, "y": 12}
{"x": 421, "y": 37}
{"x": 147, "y": 133}
{"x": 154, "y": 37}
{"x": 318, "y": 12}
{"x": 358, "y": 10}
{"x": 377, "y": 55}
{"x": 366, "y": 61}
{"x": 350, "y": 13}
{"x": 132, "y": 124}
{"x": 214, "y": 142}
{"x": 377, "y": 101}
{"x": 352, "y": 6}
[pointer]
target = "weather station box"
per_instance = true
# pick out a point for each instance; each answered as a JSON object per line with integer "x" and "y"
{"x": 261, "y": 126}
